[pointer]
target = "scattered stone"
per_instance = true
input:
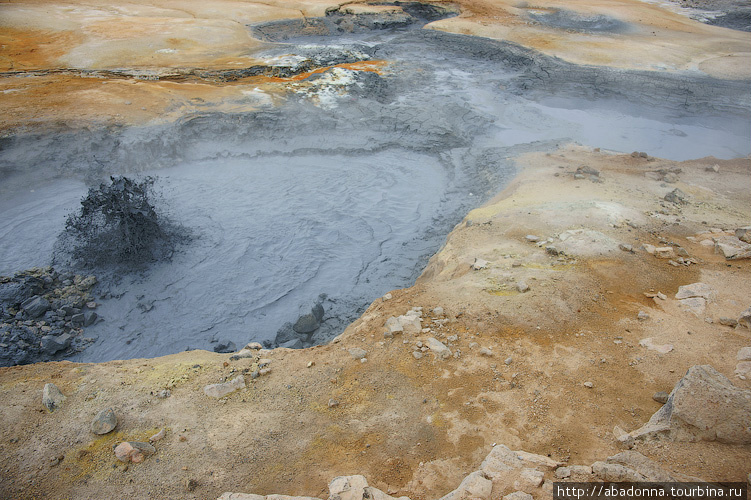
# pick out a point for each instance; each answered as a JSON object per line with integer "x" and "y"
{"x": 532, "y": 238}
{"x": 522, "y": 287}
{"x": 438, "y": 348}
{"x": 650, "y": 249}
{"x": 551, "y": 250}
{"x": 105, "y": 421}
{"x": 254, "y": 346}
{"x": 52, "y": 398}
{"x": 714, "y": 168}
{"x": 387, "y": 297}
{"x": 333, "y": 403}
{"x": 224, "y": 388}
{"x": 589, "y": 385}
{"x": 704, "y": 405}
{"x": 133, "y": 451}
{"x": 479, "y": 264}
{"x": 626, "y": 248}
{"x": 676, "y": 196}
{"x": 485, "y": 351}
{"x": 661, "y": 397}
{"x": 744, "y": 354}
{"x": 584, "y": 171}
{"x": 731, "y": 322}
{"x": 508, "y": 360}
{"x": 358, "y": 352}
{"x": 243, "y": 354}
{"x": 158, "y": 436}
{"x": 410, "y": 323}
{"x": 164, "y": 394}
{"x": 642, "y": 316}
{"x": 664, "y": 253}
{"x": 417, "y": 354}
{"x": 438, "y": 311}
{"x": 659, "y": 348}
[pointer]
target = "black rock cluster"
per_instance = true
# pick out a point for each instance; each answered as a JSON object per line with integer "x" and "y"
{"x": 43, "y": 314}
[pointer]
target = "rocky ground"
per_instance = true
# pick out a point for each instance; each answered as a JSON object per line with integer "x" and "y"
{"x": 43, "y": 314}
{"x": 552, "y": 316}
{"x": 534, "y": 347}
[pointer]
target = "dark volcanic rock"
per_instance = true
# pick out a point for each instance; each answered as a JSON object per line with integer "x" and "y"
{"x": 52, "y": 344}
{"x": 306, "y": 323}
{"x": 35, "y": 306}
{"x": 225, "y": 347}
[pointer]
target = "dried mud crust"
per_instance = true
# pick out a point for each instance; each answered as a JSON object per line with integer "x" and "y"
{"x": 418, "y": 426}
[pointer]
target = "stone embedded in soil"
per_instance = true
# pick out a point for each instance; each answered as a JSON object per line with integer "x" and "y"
{"x": 158, "y": 436}
{"x": 224, "y": 388}
{"x": 745, "y": 318}
{"x": 133, "y": 451}
{"x": 695, "y": 305}
{"x": 518, "y": 495}
{"x": 744, "y": 354}
{"x": 479, "y": 264}
{"x": 695, "y": 290}
{"x": 529, "y": 478}
{"x": 732, "y": 248}
{"x": 676, "y": 196}
{"x": 475, "y": 486}
{"x": 52, "y": 398}
{"x": 659, "y": 348}
{"x": 664, "y": 253}
{"x": 105, "y": 421}
{"x": 731, "y": 322}
{"x": 661, "y": 397}
{"x": 693, "y": 411}
{"x": 358, "y": 352}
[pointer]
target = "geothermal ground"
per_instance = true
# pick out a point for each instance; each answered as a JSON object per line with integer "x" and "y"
{"x": 435, "y": 211}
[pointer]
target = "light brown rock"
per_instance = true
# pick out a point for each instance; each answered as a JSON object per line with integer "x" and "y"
{"x": 704, "y": 405}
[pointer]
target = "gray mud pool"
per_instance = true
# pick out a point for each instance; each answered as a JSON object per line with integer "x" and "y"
{"x": 342, "y": 192}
